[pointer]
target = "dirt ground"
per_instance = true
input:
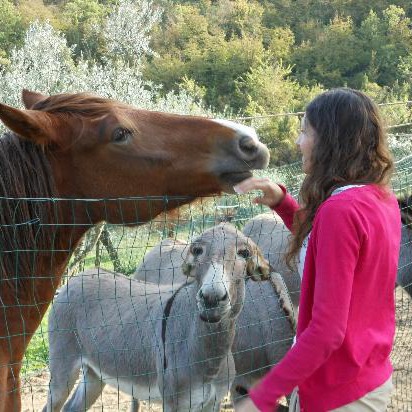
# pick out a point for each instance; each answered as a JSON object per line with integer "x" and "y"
{"x": 34, "y": 397}
{"x": 402, "y": 354}
{"x": 34, "y": 392}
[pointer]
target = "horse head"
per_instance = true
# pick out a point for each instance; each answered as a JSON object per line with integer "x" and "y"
{"x": 101, "y": 148}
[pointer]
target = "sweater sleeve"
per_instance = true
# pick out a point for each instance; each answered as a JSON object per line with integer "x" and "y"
{"x": 335, "y": 251}
{"x": 286, "y": 208}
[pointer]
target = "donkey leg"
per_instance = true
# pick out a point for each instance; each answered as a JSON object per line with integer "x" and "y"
{"x": 135, "y": 405}
{"x": 88, "y": 390}
{"x": 63, "y": 375}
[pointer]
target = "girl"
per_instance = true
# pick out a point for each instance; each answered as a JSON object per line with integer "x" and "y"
{"x": 346, "y": 243}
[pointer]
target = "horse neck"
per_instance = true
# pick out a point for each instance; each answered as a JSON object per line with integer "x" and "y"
{"x": 35, "y": 248}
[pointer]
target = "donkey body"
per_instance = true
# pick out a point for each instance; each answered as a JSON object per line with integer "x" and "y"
{"x": 265, "y": 327}
{"x": 269, "y": 232}
{"x": 150, "y": 342}
{"x": 404, "y": 276}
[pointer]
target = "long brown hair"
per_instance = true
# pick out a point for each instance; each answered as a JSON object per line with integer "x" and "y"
{"x": 350, "y": 148}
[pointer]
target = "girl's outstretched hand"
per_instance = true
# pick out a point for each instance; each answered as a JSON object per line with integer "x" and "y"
{"x": 272, "y": 192}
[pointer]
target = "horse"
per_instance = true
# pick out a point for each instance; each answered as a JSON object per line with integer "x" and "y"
{"x": 70, "y": 161}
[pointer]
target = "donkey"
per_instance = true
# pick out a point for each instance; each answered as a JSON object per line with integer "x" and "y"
{"x": 404, "y": 276}
{"x": 271, "y": 235}
{"x": 266, "y": 325}
{"x": 269, "y": 232}
{"x": 172, "y": 347}
{"x": 74, "y": 160}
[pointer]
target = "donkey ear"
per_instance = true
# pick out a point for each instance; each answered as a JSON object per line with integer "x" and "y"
{"x": 34, "y": 125}
{"x": 258, "y": 267}
{"x": 187, "y": 269}
{"x": 188, "y": 262}
{"x": 31, "y": 98}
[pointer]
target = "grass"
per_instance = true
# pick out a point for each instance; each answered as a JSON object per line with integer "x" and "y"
{"x": 37, "y": 354}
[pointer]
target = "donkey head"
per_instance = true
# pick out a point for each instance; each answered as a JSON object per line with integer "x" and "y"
{"x": 220, "y": 259}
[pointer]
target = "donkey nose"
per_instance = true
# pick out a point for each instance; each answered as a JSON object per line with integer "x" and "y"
{"x": 212, "y": 300}
{"x": 248, "y": 146}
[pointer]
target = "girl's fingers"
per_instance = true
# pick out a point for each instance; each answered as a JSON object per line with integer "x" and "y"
{"x": 260, "y": 200}
{"x": 253, "y": 183}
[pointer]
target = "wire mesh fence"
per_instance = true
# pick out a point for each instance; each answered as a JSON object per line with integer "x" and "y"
{"x": 135, "y": 336}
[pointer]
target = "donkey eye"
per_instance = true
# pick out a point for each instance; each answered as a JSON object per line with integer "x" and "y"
{"x": 121, "y": 135}
{"x": 197, "y": 250}
{"x": 244, "y": 253}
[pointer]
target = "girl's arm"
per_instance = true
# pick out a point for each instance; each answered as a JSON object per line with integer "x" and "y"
{"x": 274, "y": 196}
{"x": 287, "y": 208}
{"x": 337, "y": 244}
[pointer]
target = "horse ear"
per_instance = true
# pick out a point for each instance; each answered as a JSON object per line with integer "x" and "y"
{"x": 34, "y": 125}
{"x": 31, "y": 98}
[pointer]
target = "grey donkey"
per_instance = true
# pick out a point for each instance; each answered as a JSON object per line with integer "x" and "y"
{"x": 404, "y": 276}
{"x": 269, "y": 232}
{"x": 271, "y": 235}
{"x": 266, "y": 325}
{"x": 173, "y": 347}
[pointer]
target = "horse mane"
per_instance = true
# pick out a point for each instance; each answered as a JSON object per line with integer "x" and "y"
{"x": 83, "y": 104}
{"x": 25, "y": 178}
{"x": 405, "y": 206}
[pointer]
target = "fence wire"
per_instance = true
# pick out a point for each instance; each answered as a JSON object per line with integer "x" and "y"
{"x": 124, "y": 329}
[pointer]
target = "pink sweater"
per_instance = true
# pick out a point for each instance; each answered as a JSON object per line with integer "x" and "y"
{"x": 346, "y": 319}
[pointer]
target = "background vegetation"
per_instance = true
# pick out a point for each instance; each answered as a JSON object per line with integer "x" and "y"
{"x": 234, "y": 58}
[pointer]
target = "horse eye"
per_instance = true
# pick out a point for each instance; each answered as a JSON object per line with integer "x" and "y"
{"x": 197, "y": 250}
{"x": 121, "y": 135}
{"x": 244, "y": 253}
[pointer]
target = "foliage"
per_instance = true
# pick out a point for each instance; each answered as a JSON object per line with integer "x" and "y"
{"x": 333, "y": 58}
{"x": 46, "y": 63}
{"x": 127, "y": 29}
{"x": 236, "y": 57}
{"x": 37, "y": 354}
{"x": 11, "y": 29}
{"x": 84, "y": 19}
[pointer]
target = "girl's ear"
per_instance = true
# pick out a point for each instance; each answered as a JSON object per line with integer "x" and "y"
{"x": 31, "y": 98}
{"x": 40, "y": 127}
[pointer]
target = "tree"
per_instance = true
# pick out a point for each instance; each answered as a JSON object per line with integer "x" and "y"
{"x": 191, "y": 48}
{"x": 333, "y": 59}
{"x": 84, "y": 19}
{"x": 127, "y": 29}
{"x": 12, "y": 29}
{"x": 45, "y": 63}
{"x": 237, "y": 18}
{"x": 270, "y": 90}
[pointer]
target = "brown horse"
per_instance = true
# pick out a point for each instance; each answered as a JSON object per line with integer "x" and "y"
{"x": 68, "y": 148}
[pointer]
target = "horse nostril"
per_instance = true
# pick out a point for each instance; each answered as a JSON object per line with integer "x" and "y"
{"x": 248, "y": 145}
{"x": 225, "y": 297}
